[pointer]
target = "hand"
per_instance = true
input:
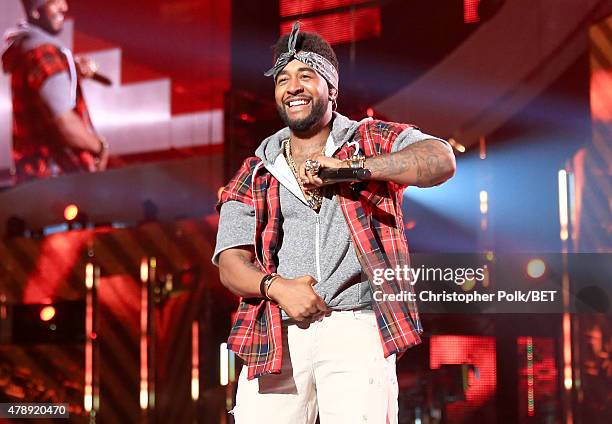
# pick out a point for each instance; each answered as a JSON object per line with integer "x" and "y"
{"x": 85, "y": 66}
{"x": 297, "y": 298}
{"x": 311, "y": 180}
{"x": 101, "y": 161}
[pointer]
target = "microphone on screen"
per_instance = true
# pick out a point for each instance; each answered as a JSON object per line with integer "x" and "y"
{"x": 104, "y": 80}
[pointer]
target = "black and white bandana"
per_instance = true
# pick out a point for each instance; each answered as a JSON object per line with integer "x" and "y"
{"x": 317, "y": 62}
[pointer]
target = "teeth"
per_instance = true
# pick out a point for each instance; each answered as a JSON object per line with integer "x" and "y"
{"x": 297, "y": 103}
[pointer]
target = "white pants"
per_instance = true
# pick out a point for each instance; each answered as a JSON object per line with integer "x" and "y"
{"x": 334, "y": 367}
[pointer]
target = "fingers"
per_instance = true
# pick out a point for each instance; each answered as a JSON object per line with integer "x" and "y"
{"x": 302, "y": 174}
{"x": 102, "y": 161}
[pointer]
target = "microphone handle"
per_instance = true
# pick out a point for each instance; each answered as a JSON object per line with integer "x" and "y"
{"x": 342, "y": 175}
{"x": 104, "y": 80}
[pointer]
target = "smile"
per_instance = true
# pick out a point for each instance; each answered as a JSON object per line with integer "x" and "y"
{"x": 297, "y": 102}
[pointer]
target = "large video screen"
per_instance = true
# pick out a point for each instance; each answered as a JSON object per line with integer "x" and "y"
{"x": 138, "y": 100}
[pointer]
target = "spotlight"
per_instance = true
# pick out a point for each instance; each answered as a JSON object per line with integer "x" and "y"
{"x": 456, "y": 145}
{"x": 536, "y": 268}
{"x": 47, "y": 313}
{"x": 370, "y": 112}
{"x": 71, "y": 212}
{"x": 484, "y": 202}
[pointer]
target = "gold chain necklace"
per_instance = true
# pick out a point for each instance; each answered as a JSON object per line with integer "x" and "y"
{"x": 313, "y": 197}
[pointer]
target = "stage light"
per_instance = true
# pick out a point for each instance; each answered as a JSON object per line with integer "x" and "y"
{"x": 410, "y": 225}
{"x": 536, "y": 268}
{"x": 247, "y": 118}
{"x": 469, "y": 284}
{"x": 456, "y": 145}
{"x": 70, "y": 212}
{"x": 223, "y": 364}
{"x": 370, "y": 112}
{"x": 470, "y": 11}
{"x": 484, "y": 202}
{"x": 482, "y": 144}
{"x": 195, "y": 361}
{"x": 563, "y": 206}
{"x": 47, "y": 313}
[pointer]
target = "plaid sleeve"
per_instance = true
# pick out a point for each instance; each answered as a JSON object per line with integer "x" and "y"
{"x": 46, "y": 61}
{"x": 239, "y": 187}
{"x": 383, "y": 135}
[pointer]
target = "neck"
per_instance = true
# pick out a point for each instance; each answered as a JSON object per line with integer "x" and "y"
{"x": 312, "y": 141}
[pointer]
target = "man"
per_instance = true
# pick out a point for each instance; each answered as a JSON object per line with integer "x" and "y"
{"x": 302, "y": 252}
{"x": 52, "y": 131}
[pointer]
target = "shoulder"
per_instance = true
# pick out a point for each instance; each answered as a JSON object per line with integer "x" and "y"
{"x": 249, "y": 165}
{"x": 44, "y": 61}
{"x": 44, "y": 52}
{"x": 385, "y": 129}
{"x": 379, "y": 136}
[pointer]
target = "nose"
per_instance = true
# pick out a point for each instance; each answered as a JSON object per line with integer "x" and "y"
{"x": 294, "y": 86}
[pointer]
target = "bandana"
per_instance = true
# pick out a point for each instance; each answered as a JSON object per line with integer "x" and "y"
{"x": 32, "y": 4}
{"x": 317, "y": 62}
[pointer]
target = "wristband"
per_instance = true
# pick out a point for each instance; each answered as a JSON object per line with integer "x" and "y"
{"x": 268, "y": 284}
{"x": 263, "y": 283}
{"x": 103, "y": 147}
{"x": 356, "y": 162}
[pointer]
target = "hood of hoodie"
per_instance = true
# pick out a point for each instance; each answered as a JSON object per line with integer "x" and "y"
{"x": 20, "y": 40}
{"x": 342, "y": 130}
{"x": 270, "y": 150}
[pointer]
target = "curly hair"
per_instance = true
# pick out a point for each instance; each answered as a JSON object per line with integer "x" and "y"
{"x": 309, "y": 42}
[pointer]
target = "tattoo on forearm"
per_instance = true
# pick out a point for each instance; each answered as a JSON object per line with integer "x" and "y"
{"x": 422, "y": 162}
{"x": 249, "y": 263}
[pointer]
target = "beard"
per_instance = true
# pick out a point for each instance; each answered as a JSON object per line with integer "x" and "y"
{"x": 300, "y": 125}
{"x": 45, "y": 22}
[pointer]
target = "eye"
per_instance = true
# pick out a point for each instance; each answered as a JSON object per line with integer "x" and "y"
{"x": 281, "y": 80}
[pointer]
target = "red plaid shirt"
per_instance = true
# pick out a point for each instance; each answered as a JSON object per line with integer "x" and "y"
{"x": 36, "y": 144}
{"x": 373, "y": 212}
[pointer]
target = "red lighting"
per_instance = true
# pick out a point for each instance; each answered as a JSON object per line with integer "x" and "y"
{"x": 245, "y": 117}
{"x": 47, "y": 313}
{"x": 410, "y": 225}
{"x": 537, "y": 373}
{"x": 470, "y": 11}
{"x": 601, "y": 86}
{"x": 370, "y": 112}
{"x": 70, "y": 212}
{"x": 473, "y": 350}
{"x": 302, "y": 7}
{"x": 342, "y": 27}
{"x": 94, "y": 336}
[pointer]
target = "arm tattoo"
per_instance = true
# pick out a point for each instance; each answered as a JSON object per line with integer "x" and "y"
{"x": 424, "y": 164}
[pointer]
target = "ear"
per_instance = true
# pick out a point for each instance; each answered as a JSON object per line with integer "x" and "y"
{"x": 35, "y": 14}
{"x": 333, "y": 94}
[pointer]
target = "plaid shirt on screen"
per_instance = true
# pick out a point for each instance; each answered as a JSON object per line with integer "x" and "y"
{"x": 38, "y": 151}
{"x": 374, "y": 215}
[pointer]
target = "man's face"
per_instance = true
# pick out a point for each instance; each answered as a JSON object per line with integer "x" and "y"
{"x": 52, "y": 16}
{"x": 302, "y": 97}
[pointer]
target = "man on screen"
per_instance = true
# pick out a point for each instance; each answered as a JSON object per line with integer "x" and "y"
{"x": 52, "y": 130}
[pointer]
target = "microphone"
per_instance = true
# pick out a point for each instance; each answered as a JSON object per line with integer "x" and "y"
{"x": 343, "y": 175}
{"x": 104, "y": 80}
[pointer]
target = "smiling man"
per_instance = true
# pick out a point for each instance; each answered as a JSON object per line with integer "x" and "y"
{"x": 301, "y": 252}
{"x": 52, "y": 131}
